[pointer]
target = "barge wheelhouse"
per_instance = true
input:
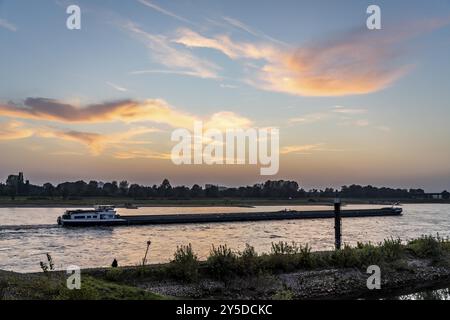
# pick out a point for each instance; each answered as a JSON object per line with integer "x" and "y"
{"x": 100, "y": 215}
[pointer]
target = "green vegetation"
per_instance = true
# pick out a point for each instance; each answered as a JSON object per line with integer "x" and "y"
{"x": 429, "y": 247}
{"x": 97, "y": 289}
{"x": 52, "y": 286}
{"x": 49, "y": 265}
{"x": 224, "y": 264}
{"x": 185, "y": 264}
{"x": 17, "y": 191}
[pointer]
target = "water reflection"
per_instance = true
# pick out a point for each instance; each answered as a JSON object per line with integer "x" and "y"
{"x": 22, "y": 247}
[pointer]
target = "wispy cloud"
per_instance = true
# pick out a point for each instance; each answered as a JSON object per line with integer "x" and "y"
{"x": 174, "y": 72}
{"x": 342, "y": 116}
{"x": 164, "y": 11}
{"x": 224, "y": 120}
{"x": 256, "y": 33}
{"x": 157, "y": 111}
{"x": 116, "y": 87}
{"x": 224, "y": 44}
{"x": 141, "y": 154}
{"x": 307, "y": 149}
{"x": 301, "y": 149}
{"x": 14, "y": 130}
{"x": 165, "y": 52}
{"x": 128, "y": 111}
{"x": 7, "y": 25}
{"x": 310, "y": 118}
{"x": 356, "y": 62}
{"x": 346, "y": 115}
{"x": 96, "y": 143}
{"x": 348, "y": 111}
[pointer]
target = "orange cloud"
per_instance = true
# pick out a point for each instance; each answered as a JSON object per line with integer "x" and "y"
{"x": 97, "y": 143}
{"x": 227, "y": 120}
{"x": 142, "y": 154}
{"x": 128, "y": 111}
{"x": 358, "y": 62}
{"x": 94, "y": 141}
{"x": 157, "y": 111}
{"x": 14, "y": 130}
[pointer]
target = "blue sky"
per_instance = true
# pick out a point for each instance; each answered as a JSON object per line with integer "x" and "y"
{"x": 352, "y": 105}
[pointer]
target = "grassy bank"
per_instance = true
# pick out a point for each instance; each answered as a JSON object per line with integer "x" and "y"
{"x": 229, "y": 202}
{"x": 52, "y": 286}
{"x": 224, "y": 264}
{"x": 289, "y": 271}
{"x": 292, "y": 271}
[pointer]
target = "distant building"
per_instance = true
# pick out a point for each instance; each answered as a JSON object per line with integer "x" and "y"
{"x": 445, "y": 195}
{"x": 220, "y": 188}
{"x": 16, "y": 183}
{"x": 434, "y": 196}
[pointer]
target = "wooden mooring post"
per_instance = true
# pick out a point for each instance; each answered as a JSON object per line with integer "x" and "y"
{"x": 337, "y": 223}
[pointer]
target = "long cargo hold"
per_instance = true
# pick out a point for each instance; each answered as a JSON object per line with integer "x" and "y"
{"x": 235, "y": 217}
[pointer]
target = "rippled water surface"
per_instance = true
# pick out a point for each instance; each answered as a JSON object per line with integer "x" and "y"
{"x": 27, "y": 234}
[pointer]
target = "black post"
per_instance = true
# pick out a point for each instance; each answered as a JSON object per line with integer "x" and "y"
{"x": 337, "y": 223}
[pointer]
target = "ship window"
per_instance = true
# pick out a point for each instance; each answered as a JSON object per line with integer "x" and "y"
{"x": 79, "y": 217}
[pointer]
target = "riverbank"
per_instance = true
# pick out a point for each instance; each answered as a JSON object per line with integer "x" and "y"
{"x": 290, "y": 271}
{"x": 22, "y": 202}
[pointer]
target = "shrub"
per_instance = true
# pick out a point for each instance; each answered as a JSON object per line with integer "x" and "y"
{"x": 427, "y": 247}
{"x": 305, "y": 258}
{"x": 346, "y": 257}
{"x": 114, "y": 274}
{"x": 391, "y": 249}
{"x": 368, "y": 254}
{"x": 222, "y": 262}
{"x": 288, "y": 257}
{"x": 49, "y": 265}
{"x": 281, "y": 248}
{"x": 249, "y": 262}
{"x": 185, "y": 264}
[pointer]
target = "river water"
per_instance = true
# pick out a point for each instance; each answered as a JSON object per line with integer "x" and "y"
{"x": 27, "y": 234}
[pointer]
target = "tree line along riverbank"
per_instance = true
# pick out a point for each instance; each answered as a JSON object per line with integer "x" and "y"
{"x": 289, "y": 271}
{"x": 24, "y": 202}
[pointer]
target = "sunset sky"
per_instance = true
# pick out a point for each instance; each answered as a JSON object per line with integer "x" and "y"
{"x": 352, "y": 105}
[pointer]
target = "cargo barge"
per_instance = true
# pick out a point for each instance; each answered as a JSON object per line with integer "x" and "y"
{"x": 80, "y": 218}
